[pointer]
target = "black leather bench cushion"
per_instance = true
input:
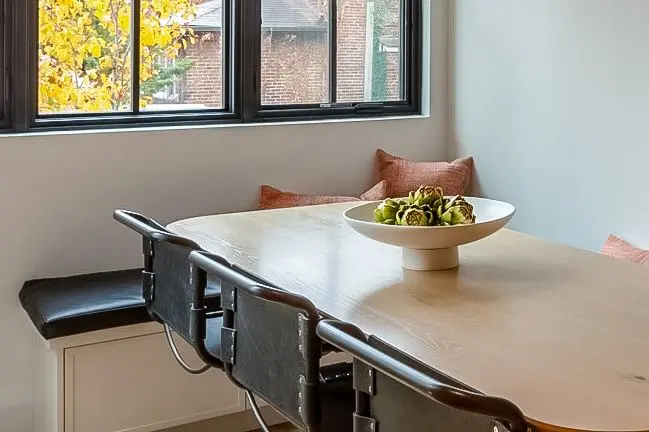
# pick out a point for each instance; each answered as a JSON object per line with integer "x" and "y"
{"x": 78, "y": 304}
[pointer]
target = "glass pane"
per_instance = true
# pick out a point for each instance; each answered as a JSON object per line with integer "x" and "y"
{"x": 294, "y": 52}
{"x": 84, "y": 56}
{"x": 369, "y": 50}
{"x": 181, "y": 55}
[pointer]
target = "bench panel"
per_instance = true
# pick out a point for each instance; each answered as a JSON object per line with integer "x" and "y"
{"x": 135, "y": 385}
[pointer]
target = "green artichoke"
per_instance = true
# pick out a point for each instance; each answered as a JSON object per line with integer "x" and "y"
{"x": 457, "y": 211}
{"x": 401, "y": 212}
{"x": 425, "y": 195}
{"x": 457, "y": 200}
{"x": 414, "y": 216}
{"x": 386, "y": 212}
{"x": 437, "y": 208}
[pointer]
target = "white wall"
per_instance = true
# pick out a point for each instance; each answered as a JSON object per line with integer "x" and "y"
{"x": 552, "y": 96}
{"x": 57, "y": 192}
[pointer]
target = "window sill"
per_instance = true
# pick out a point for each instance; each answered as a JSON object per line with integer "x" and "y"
{"x": 158, "y": 128}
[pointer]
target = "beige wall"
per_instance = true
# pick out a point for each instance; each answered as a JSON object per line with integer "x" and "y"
{"x": 58, "y": 192}
{"x": 551, "y": 96}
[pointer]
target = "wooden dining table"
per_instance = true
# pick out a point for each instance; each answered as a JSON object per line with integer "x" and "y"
{"x": 561, "y": 332}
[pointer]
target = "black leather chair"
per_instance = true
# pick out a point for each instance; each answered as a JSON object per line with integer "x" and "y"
{"x": 270, "y": 348}
{"x": 169, "y": 295}
{"x": 392, "y": 396}
{"x": 262, "y": 337}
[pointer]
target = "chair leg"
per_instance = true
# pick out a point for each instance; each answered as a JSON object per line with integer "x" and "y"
{"x": 257, "y": 412}
{"x": 179, "y": 358}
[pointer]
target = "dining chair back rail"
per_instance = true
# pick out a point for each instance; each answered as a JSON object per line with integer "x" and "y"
{"x": 397, "y": 397}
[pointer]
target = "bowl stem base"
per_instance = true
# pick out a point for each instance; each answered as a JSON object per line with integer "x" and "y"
{"x": 430, "y": 259}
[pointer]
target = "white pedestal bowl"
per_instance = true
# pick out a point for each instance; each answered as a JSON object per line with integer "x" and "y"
{"x": 432, "y": 248}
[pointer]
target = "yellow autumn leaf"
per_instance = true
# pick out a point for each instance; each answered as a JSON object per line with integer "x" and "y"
{"x": 95, "y": 49}
{"x": 105, "y": 62}
{"x": 147, "y": 37}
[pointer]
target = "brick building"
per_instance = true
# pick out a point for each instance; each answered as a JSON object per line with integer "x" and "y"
{"x": 295, "y": 53}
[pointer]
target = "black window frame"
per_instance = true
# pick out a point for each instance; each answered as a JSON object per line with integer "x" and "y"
{"x": 241, "y": 41}
{"x": 5, "y": 62}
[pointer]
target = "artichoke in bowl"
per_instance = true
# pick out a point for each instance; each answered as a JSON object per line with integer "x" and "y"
{"x": 414, "y": 215}
{"x": 386, "y": 212}
{"x": 426, "y": 195}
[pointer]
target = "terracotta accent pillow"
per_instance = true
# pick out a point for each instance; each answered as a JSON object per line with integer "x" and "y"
{"x": 618, "y": 248}
{"x": 404, "y": 176}
{"x": 378, "y": 192}
{"x": 273, "y": 198}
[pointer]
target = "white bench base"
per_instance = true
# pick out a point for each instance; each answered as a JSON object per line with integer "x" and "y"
{"x": 125, "y": 379}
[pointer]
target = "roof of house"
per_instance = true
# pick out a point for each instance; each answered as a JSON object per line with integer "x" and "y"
{"x": 293, "y": 15}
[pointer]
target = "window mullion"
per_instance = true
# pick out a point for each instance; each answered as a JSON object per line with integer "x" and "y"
{"x": 333, "y": 51}
{"x": 406, "y": 11}
{"x": 136, "y": 11}
{"x": 23, "y": 52}
{"x": 412, "y": 53}
{"x": 4, "y": 91}
{"x": 226, "y": 55}
{"x": 250, "y": 59}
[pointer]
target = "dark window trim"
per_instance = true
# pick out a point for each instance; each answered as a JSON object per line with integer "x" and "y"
{"x": 250, "y": 57}
{"x": 5, "y": 45}
{"x": 241, "y": 93}
{"x": 136, "y": 60}
{"x": 333, "y": 51}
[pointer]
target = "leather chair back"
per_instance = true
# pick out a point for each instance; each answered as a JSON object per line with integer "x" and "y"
{"x": 166, "y": 278}
{"x": 392, "y": 396}
{"x": 269, "y": 345}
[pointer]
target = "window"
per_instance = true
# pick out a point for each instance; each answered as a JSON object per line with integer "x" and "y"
{"x": 294, "y": 53}
{"x": 181, "y": 55}
{"x": 116, "y": 57}
{"x": 339, "y": 57}
{"x": 85, "y": 63}
{"x": 369, "y": 46}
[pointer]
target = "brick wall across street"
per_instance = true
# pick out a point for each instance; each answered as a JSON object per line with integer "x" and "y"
{"x": 295, "y": 64}
{"x": 202, "y": 82}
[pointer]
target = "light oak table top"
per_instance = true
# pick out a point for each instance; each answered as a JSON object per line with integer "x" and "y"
{"x": 561, "y": 332}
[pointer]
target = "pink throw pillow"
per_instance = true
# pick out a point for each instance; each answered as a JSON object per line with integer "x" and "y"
{"x": 404, "y": 176}
{"x": 618, "y": 248}
{"x": 378, "y": 192}
{"x": 273, "y": 198}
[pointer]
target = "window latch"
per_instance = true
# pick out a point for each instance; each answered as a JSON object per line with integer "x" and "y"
{"x": 369, "y": 108}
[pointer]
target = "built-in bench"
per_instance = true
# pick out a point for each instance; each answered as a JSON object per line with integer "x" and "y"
{"x": 67, "y": 306}
{"x": 101, "y": 361}
{"x": 102, "y": 364}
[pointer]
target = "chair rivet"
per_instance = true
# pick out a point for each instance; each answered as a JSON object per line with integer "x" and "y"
{"x": 495, "y": 428}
